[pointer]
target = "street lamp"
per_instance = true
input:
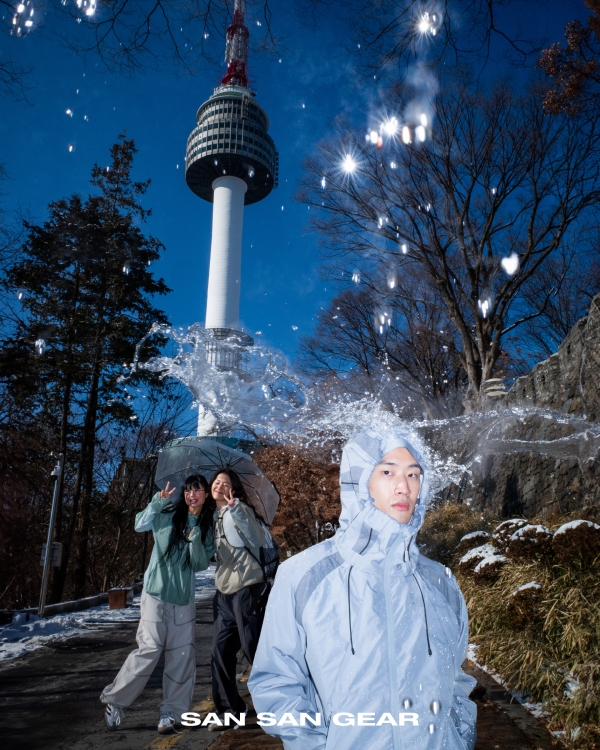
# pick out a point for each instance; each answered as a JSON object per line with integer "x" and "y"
{"x": 57, "y": 472}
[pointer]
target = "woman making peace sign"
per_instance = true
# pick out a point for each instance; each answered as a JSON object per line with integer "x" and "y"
{"x": 183, "y": 545}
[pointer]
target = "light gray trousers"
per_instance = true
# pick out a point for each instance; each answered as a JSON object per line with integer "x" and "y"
{"x": 165, "y": 627}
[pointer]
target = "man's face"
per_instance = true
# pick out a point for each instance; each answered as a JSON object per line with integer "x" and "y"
{"x": 395, "y": 484}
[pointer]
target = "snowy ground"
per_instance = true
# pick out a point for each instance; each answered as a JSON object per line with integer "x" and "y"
{"x": 22, "y": 635}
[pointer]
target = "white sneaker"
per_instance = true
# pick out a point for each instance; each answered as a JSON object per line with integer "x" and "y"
{"x": 166, "y": 723}
{"x": 113, "y": 716}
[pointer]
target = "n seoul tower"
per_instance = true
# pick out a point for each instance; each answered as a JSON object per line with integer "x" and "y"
{"x": 231, "y": 161}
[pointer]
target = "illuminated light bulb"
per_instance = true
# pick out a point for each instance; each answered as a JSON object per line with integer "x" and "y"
{"x": 420, "y": 133}
{"x": 374, "y": 136}
{"x": 20, "y": 8}
{"x": 380, "y": 141}
{"x": 404, "y": 249}
{"x": 405, "y": 134}
{"x": 393, "y": 164}
{"x": 349, "y": 164}
{"x": 423, "y": 119}
{"x": 323, "y": 182}
{"x": 250, "y": 173}
{"x": 356, "y": 277}
{"x": 380, "y": 329}
{"x": 510, "y": 265}
{"x": 28, "y": 23}
{"x": 40, "y": 346}
{"x": 380, "y": 222}
{"x": 126, "y": 270}
{"x": 71, "y": 147}
{"x": 494, "y": 191}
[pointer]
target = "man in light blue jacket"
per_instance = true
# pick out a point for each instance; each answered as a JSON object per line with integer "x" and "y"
{"x": 364, "y": 637}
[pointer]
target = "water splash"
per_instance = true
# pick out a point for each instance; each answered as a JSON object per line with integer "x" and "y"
{"x": 257, "y": 393}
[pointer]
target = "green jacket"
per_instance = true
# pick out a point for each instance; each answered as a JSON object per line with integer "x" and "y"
{"x": 170, "y": 580}
{"x": 236, "y": 568}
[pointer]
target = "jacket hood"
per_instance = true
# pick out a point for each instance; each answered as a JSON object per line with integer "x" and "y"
{"x": 360, "y": 456}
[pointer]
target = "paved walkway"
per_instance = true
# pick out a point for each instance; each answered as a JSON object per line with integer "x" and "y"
{"x": 49, "y": 701}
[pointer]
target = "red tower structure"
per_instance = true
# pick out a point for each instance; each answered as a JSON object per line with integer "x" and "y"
{"x": 236, "y": 49}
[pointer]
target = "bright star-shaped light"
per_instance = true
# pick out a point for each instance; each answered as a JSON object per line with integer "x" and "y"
{"x": 349, "y": 164}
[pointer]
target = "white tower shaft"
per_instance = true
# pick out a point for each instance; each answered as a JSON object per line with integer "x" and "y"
{"x": 223, "y": 300}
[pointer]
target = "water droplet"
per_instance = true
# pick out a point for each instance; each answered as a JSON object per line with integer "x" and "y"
{"x": 435, "y": 707}
{"x": 431, "y": 728}
{"x": 407, "y": 703}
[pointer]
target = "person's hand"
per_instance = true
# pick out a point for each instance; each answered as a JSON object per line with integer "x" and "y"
{"x": 231, "y": 499}
{"x": 164, "y": 494}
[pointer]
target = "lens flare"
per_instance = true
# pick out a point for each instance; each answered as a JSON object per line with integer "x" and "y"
{"x": 510, "y": 265}
{"x": 390, "y": 127}
{"x": 349, "y": 164}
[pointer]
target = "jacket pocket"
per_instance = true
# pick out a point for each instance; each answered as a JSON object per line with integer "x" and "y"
{"x": 152, "y": 610}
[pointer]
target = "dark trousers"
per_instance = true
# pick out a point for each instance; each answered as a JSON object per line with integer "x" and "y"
{"x": 238, "y": 619}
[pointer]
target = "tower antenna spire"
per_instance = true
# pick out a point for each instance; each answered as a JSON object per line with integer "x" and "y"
{"x": 236, "y": 48}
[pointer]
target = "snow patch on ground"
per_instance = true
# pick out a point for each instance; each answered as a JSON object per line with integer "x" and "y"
{"x": 24, "y": 635}
{"x": 524, "y": 532}
{"x": 490, "y": 560}
{"x": 475, "y": 535}
{"x": 525, "y": 586}
{"x": 485, "y": 550}
{"x": 574, "y": 525}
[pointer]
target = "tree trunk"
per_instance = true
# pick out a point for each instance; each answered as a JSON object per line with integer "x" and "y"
{"x": 88, "y": 450}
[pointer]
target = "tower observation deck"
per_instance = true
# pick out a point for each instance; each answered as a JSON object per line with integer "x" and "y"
{"x": 231, "y": 161}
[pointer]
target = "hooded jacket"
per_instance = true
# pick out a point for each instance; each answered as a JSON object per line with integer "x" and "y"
{"x": 364, "y": 624}
{"x": 172, "y": 580}
{"x": 236, "y": 567}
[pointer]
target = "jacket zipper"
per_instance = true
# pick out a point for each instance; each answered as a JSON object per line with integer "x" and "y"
{"x": 390, "y": 637}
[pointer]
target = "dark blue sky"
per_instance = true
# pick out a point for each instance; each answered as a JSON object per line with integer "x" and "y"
{"x": 280, "y": 283}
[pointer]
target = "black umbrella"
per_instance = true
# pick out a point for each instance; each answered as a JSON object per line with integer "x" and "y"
{"x": 201, "y": 455}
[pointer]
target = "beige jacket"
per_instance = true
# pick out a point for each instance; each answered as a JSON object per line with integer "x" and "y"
{"x": 236, "y": 568}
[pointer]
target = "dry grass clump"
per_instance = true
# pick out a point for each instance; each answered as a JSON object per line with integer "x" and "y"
{"x": 532, "y": 541}
{"x": 489, "y": 568}
{"x": 472, "y": 540}
{"x": 545, "y": 642}
{"x": 577, "y": 542}
{"x": 523, "y": 605}
{"x": 444, "y": 527}
{"x": 474, "y": 557}
{"x": 504, "y": 531}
